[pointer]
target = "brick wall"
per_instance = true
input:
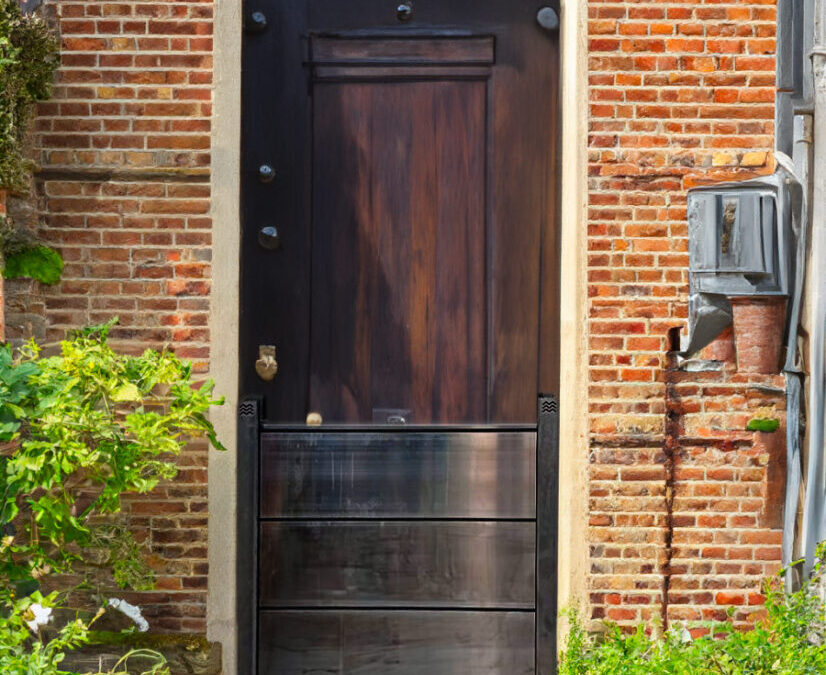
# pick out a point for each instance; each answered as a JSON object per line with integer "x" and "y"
{"x": 681, "y": 93}
{"x": 124, "y": 194}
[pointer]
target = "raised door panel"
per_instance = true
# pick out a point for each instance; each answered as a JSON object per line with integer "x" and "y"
{"x": 398, "y": 307}
{"x": 397, "y": 643}
{"x": 484, "y": 475}
{"x": 425, "y": 564}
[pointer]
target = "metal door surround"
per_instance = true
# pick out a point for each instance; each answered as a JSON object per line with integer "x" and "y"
{"x": 399, "y": 551}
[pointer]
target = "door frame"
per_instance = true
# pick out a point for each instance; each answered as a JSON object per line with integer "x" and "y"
{"x": 223, "y": 595}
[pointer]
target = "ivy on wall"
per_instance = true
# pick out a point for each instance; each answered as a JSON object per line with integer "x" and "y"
{"x": 29, "y": 56}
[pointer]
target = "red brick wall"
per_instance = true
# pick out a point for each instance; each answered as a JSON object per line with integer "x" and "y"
{"x": 680, "y": 93}
{"x": 124, "y": 194}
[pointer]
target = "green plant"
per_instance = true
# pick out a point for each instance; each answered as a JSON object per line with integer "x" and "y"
{"x": 24, "y": 651}
{"x": 29, "y": 56}
{"x": 90, "y": 426}
{"x": 37, "y": 262}
{"x": 78, "y": 431}
{"x": 22, "y": 256}
{"x": 790, "y": 640}
{"x": 765, "y": 419}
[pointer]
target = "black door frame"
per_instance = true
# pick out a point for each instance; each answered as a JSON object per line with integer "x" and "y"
{"x": 251, "y": 423}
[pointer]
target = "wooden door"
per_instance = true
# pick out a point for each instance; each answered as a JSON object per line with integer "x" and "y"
{"x": 405, "y": 165}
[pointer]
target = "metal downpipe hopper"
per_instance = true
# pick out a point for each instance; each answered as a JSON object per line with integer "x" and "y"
{"x": 743, "y": 239}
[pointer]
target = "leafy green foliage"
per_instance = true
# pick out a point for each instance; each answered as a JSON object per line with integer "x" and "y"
{"x": 791, "y": 640}
{"x": 37, "y": 262}
{"x": 113, "y": 546}
{"x": 88, "y": 426}
{"x": 28, "y": 59}
{"x": 19, "y": 654}
{"x": 22, "y": 653}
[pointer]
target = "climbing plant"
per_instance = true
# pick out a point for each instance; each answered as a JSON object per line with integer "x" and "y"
{"x": 29, "y": 56}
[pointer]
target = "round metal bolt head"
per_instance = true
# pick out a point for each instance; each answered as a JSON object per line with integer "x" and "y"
{"x": 269, "y": 238}
{"x": 404, "y": 12}
{"x": 548, "y": 18}
{"x": 258, "y": 21}
{"x": 266, "y": 173}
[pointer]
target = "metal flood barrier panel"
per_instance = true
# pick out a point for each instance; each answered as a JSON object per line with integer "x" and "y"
{"x": 399, "y": 550}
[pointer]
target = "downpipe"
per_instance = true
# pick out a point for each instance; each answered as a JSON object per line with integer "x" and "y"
{"x": 814, "y": 517}
{"x": 793, "y": 369}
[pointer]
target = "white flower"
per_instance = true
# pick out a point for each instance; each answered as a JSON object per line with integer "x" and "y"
{"x": 131, "y": 611}
{"x": 40, "y": 616}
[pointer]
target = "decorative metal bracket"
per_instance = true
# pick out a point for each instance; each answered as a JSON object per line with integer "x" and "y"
{"x": 250, "y": 413}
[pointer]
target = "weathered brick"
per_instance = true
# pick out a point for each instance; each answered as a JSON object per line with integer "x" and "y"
{"x": 662, "y": 121}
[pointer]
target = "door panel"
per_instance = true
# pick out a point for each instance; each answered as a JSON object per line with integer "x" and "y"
{"x": 415, "y": 202}
{"x": 392, "y": 564}
{"x": 397, "y": 475}
{"x": 398, "y": 308}
{"x": 398, "y": 643}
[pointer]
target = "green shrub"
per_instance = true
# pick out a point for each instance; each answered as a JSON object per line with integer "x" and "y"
{"x": 790, "y": 640}
{"x": 78, "y": 431}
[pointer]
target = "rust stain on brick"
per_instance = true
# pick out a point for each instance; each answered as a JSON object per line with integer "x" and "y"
{"x": 671, "y": 447}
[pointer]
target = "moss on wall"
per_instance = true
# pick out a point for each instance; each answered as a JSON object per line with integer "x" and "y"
{"x": 186, "y": 654}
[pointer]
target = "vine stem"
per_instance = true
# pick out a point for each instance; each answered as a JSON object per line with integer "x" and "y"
{"x": 3, "y": 212}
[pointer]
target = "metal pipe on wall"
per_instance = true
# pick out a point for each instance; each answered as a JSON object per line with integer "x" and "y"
{"x": 814, "y": 523}
{"x": 794, "y": 368}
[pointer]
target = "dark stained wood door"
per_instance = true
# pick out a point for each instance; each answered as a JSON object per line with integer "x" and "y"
{"x": 414, "y": 197}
